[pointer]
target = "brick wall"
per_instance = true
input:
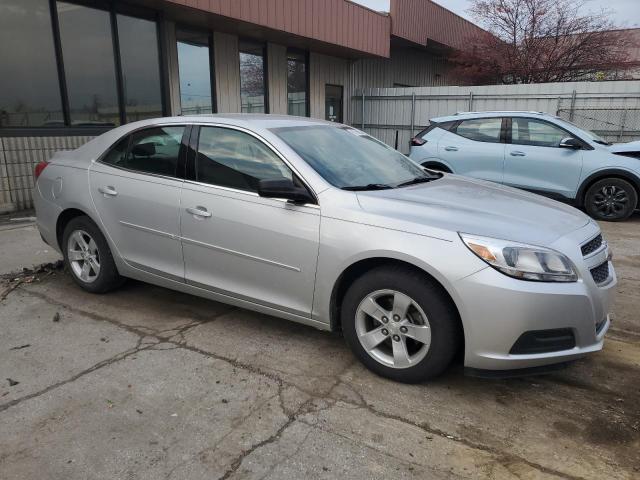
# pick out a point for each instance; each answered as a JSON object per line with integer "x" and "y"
{"x": 18, "y": 157}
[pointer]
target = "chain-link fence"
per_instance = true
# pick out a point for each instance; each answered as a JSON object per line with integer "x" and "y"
{"x": 611, "y": 123}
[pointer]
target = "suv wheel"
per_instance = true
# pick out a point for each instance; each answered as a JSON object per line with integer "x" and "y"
{"x": 88, "y": 257}
{"x": 400, "y": 325}
{"x": 611, "y": 199}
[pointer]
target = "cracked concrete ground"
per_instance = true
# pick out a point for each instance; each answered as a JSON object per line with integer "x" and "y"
{"x": 150, "y": 383}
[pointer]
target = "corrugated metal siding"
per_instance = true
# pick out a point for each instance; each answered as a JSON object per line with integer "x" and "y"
{"x": 422, "y": 20}
{"x": 227, "y": 72}
{"x": 324, "y": 69}
{"x": 388, "y": 110}
{"x": 277, "y": 78}
{"x": 19, "y": 157}
{"x": 337, "y": 22}
{"x": 406, "y": 66}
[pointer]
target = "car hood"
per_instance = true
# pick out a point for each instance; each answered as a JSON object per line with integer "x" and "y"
{"x": 460, "y": 204}
{"x": 625, "y": 147}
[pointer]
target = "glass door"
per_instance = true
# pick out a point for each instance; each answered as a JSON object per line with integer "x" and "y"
{"x": 194, "y": 70}
{"x": 333, "y": 103}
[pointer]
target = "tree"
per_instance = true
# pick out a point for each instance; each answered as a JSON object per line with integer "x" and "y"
{"x": 534, "y": 41}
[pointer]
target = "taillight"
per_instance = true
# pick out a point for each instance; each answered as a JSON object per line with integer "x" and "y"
{"x": 417, "y": 142}
{"x": 40, "y": 168}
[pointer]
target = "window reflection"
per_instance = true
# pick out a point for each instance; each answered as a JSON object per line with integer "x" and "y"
{"x": 297, "y": 86}
{"x": 29, "y": 89}
{"x": 140, "y": 62}
{"x": 194, "y": 72}
{"x": 252, "y": 78}
{"x": 89, "y": 66}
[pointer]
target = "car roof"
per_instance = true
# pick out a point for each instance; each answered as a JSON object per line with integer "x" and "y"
{"x": 490, "y": 114}
{"x": 251, "y": 120}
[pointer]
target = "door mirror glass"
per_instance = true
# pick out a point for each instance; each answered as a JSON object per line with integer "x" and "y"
{"x": 570, "y": 142}
{"x": 284, "y": 188}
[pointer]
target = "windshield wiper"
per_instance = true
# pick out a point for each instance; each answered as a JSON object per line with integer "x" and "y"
{"x": 417, "y": 180}
{"x": 603, "y": 142}
{"x": 371, "y": 186}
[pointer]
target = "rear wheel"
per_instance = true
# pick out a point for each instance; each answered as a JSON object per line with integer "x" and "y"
{"x": 611, "y": 199}
{"x": 88, "y": 257}
{"x": 400, "y": 325}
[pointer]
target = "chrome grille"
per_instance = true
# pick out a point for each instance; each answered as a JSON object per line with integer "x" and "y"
{"x": 600, "y": 273}
{"x": 591, "y": 246}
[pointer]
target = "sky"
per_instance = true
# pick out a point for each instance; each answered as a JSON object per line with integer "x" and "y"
{"x": 626, "y": 13}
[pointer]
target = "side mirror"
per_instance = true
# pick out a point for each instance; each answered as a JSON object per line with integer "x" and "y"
{"x": 284, "y": 188}
{"x": 417, "y": 142}
{"x": 570, "y": 142}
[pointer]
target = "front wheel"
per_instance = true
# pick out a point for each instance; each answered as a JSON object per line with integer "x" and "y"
{"x": 611, "y": 199}
{"x": 400, "y": 324}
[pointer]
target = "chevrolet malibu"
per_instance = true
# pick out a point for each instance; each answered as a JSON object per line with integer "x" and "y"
{"x": 322, "y": 224}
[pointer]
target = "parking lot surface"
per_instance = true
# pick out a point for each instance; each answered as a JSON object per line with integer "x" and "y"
{"x": 147, "y": 383}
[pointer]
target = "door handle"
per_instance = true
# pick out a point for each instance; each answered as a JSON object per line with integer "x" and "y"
{"x": 451, "y": 149}
{"x": 517, "y": 153}
{"x": 199, "y": 212}
{"x": 108, "y": 191}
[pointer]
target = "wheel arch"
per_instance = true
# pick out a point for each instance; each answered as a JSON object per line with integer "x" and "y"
{"x": 630, "y": 177}
{"x": 361, "y": 267}
{"x": 64, "y": 218}
{"x": 435, "y": 162}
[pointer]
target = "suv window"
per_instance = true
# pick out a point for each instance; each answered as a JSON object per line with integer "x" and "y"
{"x": 481, "y": 129}
{"x": 443, "y": 125}
{"x": 526, "y": 131}
{"x": 230, "y": 158}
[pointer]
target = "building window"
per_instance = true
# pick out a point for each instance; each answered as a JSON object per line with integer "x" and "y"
{"x": 29, "y": 89}
{"x": 89, "y": 65}
{"x": 253, "y": 78}
{"x": 140, "y": 61}
{"x": 194, "y": 59}
{"x": 297, "y": 83}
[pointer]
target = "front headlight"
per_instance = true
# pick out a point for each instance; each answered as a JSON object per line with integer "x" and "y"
{"x": 519, "y": 260}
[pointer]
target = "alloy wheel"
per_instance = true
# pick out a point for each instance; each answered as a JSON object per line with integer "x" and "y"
{"x": 393, "y": 329}
{"x": 83, "y": 255}
{"x": 610, "y": 201}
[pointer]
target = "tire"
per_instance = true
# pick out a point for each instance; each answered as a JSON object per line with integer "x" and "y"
{"x": 611, "y": 199}
{"x": 427, "y": 300}
{"x": 102, "y": 274}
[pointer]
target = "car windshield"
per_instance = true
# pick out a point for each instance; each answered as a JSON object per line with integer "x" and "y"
{"x": 350, "y": 159}
{"x": 594, "y": 137}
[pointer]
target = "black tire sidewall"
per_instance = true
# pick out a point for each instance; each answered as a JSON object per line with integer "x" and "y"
{"x": 442, "y": 317}
{"x": 108, "y": 278}
{"x": 617, "y": 182}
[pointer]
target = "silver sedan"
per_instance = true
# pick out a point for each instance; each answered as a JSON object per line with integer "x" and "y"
{"x": 324, "y": 225}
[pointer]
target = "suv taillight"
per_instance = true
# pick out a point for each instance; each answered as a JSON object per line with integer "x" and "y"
{"x": 40, "y": 168}
{"x": 417, "y": 142}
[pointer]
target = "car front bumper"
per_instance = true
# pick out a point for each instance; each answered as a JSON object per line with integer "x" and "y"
{"x": 496, "y": 310}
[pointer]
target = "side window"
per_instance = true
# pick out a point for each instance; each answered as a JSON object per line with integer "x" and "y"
{"x": 526, "y": 131}
{"x": 117, "y": 156}
{"x": 481, "y": 129}
{"x": 230, "y": 158}
{"x": 155, "y": 150}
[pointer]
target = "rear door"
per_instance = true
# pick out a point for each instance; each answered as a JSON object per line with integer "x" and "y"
{"x": 534, "y": 160}
{"x": 475, "y": 148}
{"x": 236, "y": 243}
{"x": 136, "y": 192}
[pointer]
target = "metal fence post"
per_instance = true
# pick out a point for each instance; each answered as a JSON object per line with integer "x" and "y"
{"x": 363, "y": 98}
{"x": 413, "y": 113}
{"x": 471, "y": 101}
{"x": 624, "y": 120}
{"x": 573, "y": 105}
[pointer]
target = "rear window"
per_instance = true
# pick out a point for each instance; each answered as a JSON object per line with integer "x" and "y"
{"x": 434, "y": 125}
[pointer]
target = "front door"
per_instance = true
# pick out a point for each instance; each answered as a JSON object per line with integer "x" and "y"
{"x": 237, "y": 243}
{"x": 333, "y": 103}
{"x": 136, "y": 192}
{"x": 534, "y": 160}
